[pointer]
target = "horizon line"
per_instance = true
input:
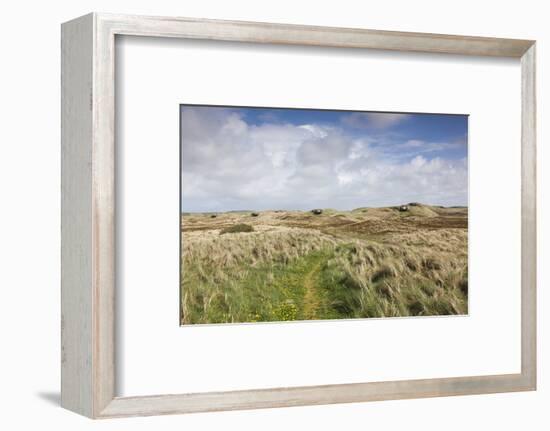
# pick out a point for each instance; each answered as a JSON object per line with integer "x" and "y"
{"x": 325, "y": 208}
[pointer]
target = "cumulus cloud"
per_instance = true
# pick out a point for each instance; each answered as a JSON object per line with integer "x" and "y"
{"x": 229, "y": 163}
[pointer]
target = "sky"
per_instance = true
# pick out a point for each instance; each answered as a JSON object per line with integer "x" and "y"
{"x": 235, "y": 158}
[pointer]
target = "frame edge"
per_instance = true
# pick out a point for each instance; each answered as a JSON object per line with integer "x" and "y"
{"x": 312, "y": 395}
{"x": 77, "y": 377}
{"x": 294, "y": 34}
{"x": 528, "y": 218}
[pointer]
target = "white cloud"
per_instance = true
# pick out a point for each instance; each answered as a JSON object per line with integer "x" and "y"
{"x": 228, "y": 164}
{"x": 420, "y": 146}
{"x": 319, "y": 132}
{"x": 414, "y": 143}
{"x": 344, "y": 178}
{"x": 418, "y": 162}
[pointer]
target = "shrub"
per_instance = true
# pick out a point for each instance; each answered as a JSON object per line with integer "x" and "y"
{"x": 237, "y": 228}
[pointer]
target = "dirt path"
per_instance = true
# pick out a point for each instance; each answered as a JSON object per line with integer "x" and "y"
{"x": 311, "y": 299}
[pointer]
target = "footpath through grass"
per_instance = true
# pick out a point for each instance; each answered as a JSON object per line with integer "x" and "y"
{"x": 351, "y": 280}
{"x": 290, "y": 292}
{"x": 278, "y": 292}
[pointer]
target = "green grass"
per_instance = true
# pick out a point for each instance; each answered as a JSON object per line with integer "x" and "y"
{"x": 278, "y": 292}
{"x": 266, "y": 293}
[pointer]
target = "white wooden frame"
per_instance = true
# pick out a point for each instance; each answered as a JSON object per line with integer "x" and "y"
{"x": 88, "y": 215}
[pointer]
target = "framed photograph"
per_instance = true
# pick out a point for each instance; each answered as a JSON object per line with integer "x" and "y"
{"x": 304, "y": 214}
{"x": 265, "y": 215}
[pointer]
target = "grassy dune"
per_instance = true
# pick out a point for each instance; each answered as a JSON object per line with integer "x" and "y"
{"x": 293, "y": 265}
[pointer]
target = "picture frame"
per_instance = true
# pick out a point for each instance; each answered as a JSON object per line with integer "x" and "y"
{"x": 88, "y": 372}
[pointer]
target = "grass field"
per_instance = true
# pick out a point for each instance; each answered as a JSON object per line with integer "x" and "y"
{"x": 295, "y": 265}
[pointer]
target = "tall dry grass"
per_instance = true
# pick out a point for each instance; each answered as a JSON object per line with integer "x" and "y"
{"x": 421, "y": 273}
{"x": 259, "y": 275}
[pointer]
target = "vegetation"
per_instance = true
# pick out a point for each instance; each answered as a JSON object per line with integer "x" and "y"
{"x": 292, "y": 265}
{"x": 241, "y": 227}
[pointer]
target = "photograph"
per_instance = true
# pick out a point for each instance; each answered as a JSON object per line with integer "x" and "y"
{"x": 306, "y": 214}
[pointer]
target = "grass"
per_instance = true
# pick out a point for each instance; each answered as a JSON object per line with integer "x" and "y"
{"x": 247, "y": 277}
{"x": 241, "y": 227}
{"x": 290, "y": 265}
{"x": 368, "y": 279}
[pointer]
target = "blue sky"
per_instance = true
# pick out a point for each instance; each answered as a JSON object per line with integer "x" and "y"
{"x": 265, "y": 158}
